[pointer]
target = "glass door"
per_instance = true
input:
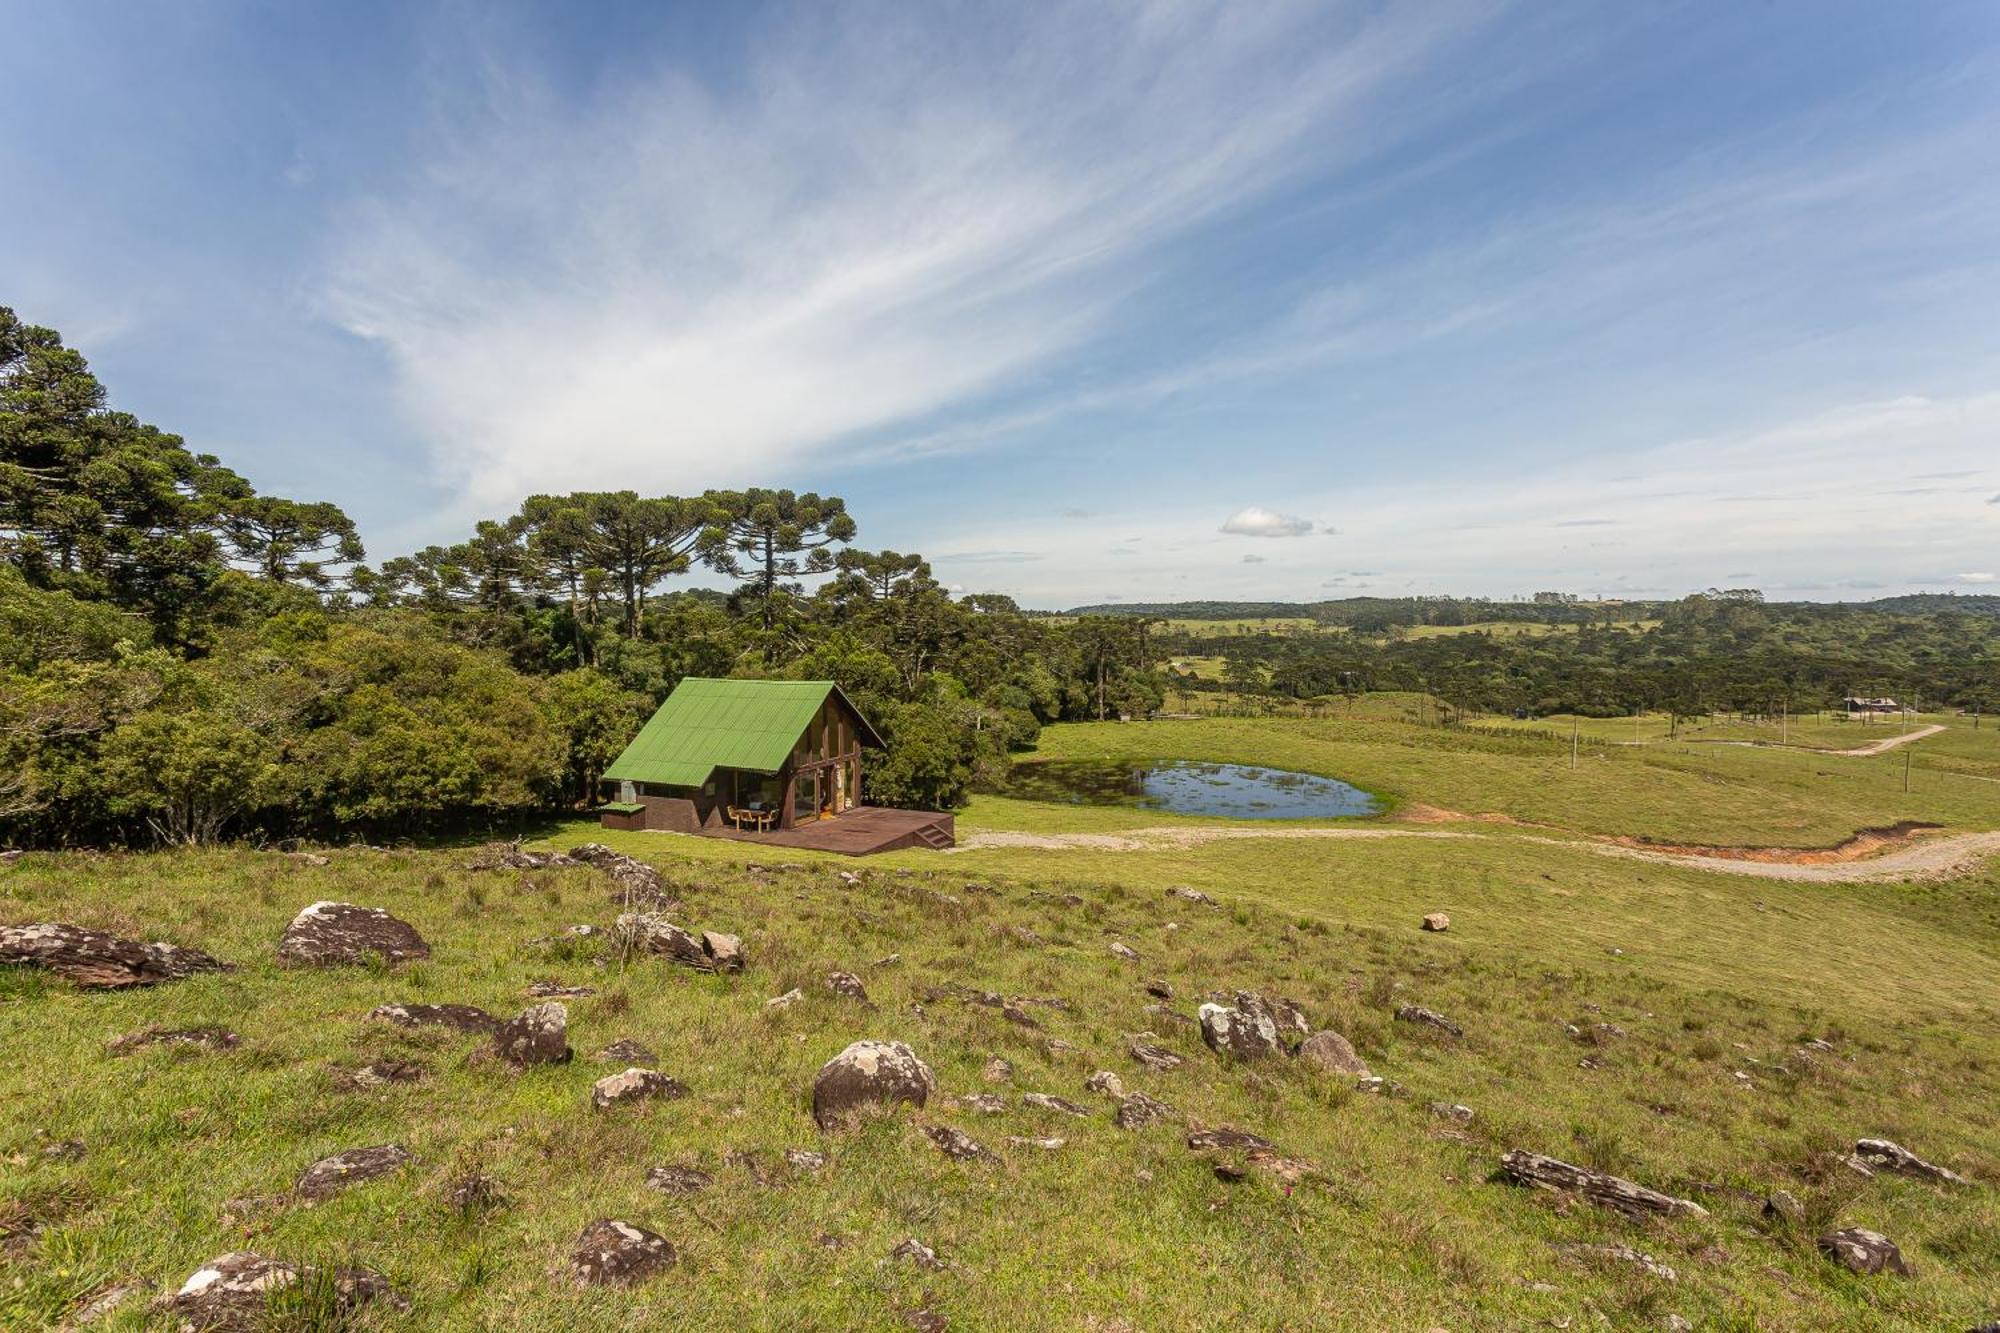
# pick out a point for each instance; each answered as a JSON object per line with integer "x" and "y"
{"x": 805, "y": 797}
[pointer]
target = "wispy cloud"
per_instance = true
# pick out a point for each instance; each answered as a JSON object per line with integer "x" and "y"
{"x": 681, "y": 286}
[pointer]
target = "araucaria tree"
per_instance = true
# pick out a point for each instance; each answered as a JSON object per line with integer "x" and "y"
{"x": 771, "y": 540}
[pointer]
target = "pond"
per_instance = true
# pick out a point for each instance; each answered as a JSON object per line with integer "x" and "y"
{"x": 1184, "y": 787}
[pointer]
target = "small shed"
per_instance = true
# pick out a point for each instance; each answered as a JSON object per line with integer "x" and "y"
{"x": 778, "y": 754}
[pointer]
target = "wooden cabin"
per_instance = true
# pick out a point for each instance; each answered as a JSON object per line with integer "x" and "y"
{"x": 757, "y": 755}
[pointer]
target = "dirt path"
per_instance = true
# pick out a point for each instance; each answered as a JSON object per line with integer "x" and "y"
{"x": 1882, "y": 746}
{"x": 1889, "y": 743}
{"x": 1857, "y": 861}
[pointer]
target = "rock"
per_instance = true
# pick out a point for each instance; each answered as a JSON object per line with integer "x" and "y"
{"x": 869, "y": 1075}
{"x": 215, "y": 1039}
{"x": 1046, "y": 1145}
{"x": 1416, "y": 1013}
{"x": 1452, "y": 1111}
{"x": 555, "y": 990}
{"x": 1606, "y": 1191}
{"x": 475, "y": 1192}
{"x": 1597, "y": 1034}
{"x": 1155, "y": 1057}
{"x": 98, "y": 960}
{"x": 512, "y": 856}
{"x": 1127, "y": 952}
{"x": 1186, "y": 894}
{"x": 65, "y": 1150}
{"x": 617, "y": 1253}
{"x": 1014, "y": 1013}
{"x": 232, "y": 1294}
{"x": 1138, "y": 1110}
{"x": 1045, "y": 1102}
{"x": 1248, "y": 1030}
{"x": 997, "y": 1070}
{"x": 1228, "y": 1137}
{"x": 103, "y": 1302}
{"x": 983, "y": 1102}
{"x": 1159, "y": 990}
{"x": 384, "y": 1072}
{"x": 634, "y": 876}
{"x": 803, "y": 1159}
{"x": 1230, "y": 1174}
{"x": 954, "y": 1142}
{"x": 1886, "y": 1156}
{"x": 328, "y": 933}
{"x": 463, "y": 1017}
{"x": 1782, "y": 1205}
{"x": 330, "y": 1175}
{"x": 635, "y": 1085}
{"x": 1331, "y": 1053}
{"x": 1291, "y": 1170}
{"x": 1622, "y": 1254}
{"x": 926, "y": 1321}
{"x": 1437, "y": 921}
{"x": 651, "y": 932}
{"x": 785, "y": 1001}
{"x": 626, "y": 1051}
{"x": 847, "y": 986}
{"x": 1106, "y": 1082}
{"x": 1866, "y": 1252}
{"x": 678, "y": 1179}
{"x": 890, "y": 960}
{"x": 725, "y": 952}
{"x": 538, "y": 1036}
{"x": 1292, "y": 1020}
{"x": 916, "y": 1252}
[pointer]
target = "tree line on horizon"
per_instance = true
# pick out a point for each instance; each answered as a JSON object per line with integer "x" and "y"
{"x": 184, "y": 659}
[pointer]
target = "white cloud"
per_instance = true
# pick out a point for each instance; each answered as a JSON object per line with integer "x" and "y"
{"x": 678, "y": 286}
{"x": 1257, "y": 521}
{"x": 1975, "y": 578}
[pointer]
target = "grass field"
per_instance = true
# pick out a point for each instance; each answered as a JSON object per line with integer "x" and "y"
{"x": 1716, "y": 981}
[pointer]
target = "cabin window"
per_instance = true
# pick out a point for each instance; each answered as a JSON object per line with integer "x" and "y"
{"x": 628, "y": 792}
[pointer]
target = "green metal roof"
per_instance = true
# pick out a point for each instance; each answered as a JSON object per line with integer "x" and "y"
{"x": 709, "y": 724}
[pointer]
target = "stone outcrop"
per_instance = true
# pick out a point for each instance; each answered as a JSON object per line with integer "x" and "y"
{"x": 1430, "y": 1018}
{"x": 679, "y": 1179}
{"x": 1865, "y": 1252}
{"x": 635, "y": 1085}
{"x": 954, "y": 1142}
{"x": 539, "y": 1035}
{"x": 1155, "y": 1057}
{"x": 651, "y": 932}
{"x": 1047, "y": 1102}
{"x": 634, "y": 876}
{"x": 869, "y": 1075}
{"x": 1332, "y": 1053}
{"x": 463, "y": 1017}
{"x": 98, "y": 960}
{"x": 330, "y": 1175}
{"x": 1137, "y": 1110}
{"x": 233, "y": 1293}
{"x": 1884, "y": 1155}
{"x": 1246, "y": 1030}
{"x": 328, "y": 933}
{"x": 1437, "y": 921}
{"x": 847, "y": 986}
{"x": 617, "y": 1253}
{"x": 1604, "y": 1190}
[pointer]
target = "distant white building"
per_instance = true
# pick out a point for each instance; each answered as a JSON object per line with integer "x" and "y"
{"x": 1854, "y": 704}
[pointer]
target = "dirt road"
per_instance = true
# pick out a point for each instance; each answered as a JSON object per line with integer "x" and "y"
{"x": 1936, "y": 857}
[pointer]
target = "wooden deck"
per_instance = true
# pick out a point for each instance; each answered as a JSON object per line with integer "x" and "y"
{"x": 859, "y": 832}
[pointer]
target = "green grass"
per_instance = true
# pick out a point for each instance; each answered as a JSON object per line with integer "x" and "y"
{"x": 1710, "y": 975}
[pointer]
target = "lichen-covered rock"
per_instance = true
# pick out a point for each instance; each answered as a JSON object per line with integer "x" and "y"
{"x": 916, "y": 1252}
{"x": 1247, "y": 1030}
{"x": 214, "y": 1039}
{"x": 651, "y": 932}
{"x": 805, "y": 1159}
{"x": 329, "y": 933}
{"x": 1138, "y": 1110}
{"x": 1437, "y": 921}
{"x": 539, "y": 1035}
{"x": 785, "y": 1001}
{"x": 1866, "y": 1252}
{"x": 617, "y": 1253}
{"x": 1106, "y": 1082}
{"x": 463, "y": 1017}
{"x": 232, "y": 1294}
{"x": 1332, "y": 1053}
{"x": 954, "y": 1142}
{"x": 1884, "y": 1155}
{"x": 985, "y": 1103}
{"x": 679, "y": 1179}
{"x": 1120, "y": 949}
{"x": 1155, "y": 1057}
{"x": 98, "y": 960}
{"x": 1598, "y": 1187}
{"x": 996, "y": 1070}
{"x": 1422, "y": 1017}
{"x": 627, "y": 1052}
{"x": 635, "y": 1085}
{"x": 330, "y": 1175}
{"x": 1047, "y": 1102}
{"x": 634, "y": 876}
{"x": 847, "y": 986}
{"x": 869, "y": 1075}
{"x": 725, "y": 952}
{"x": 1228, "y": 1137}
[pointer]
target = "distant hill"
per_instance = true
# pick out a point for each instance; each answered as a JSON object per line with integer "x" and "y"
{"x": 1931, "y": 603}
{"x": 1344, "y": 609}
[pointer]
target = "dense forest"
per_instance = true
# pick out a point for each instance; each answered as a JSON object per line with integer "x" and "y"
{"x": 184, "y": 659}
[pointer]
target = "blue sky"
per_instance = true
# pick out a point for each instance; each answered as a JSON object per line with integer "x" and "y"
{"x": 1103, "y": 302}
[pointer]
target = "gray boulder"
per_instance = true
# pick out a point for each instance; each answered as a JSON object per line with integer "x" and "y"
{"x": 328, "y": 933}
{"x": 613, "y": 1253}
{"x": 463, "y": 1017}
{"x": 869, "y": 1075}
{"x": 232, "y": 1294}
{"x": 538, "y": 1036}
{"x": 97, "y": 960}
{"x": 330, "y": 1175}
{"x": 635, "y": 1085}
{"x": 1865, "y": 1252}
{"x": 1331, "y": 1053}
{"x": 1247, "y": 1030}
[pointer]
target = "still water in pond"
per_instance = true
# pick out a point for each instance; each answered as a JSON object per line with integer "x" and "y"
{"x": 1233, "y": 791}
